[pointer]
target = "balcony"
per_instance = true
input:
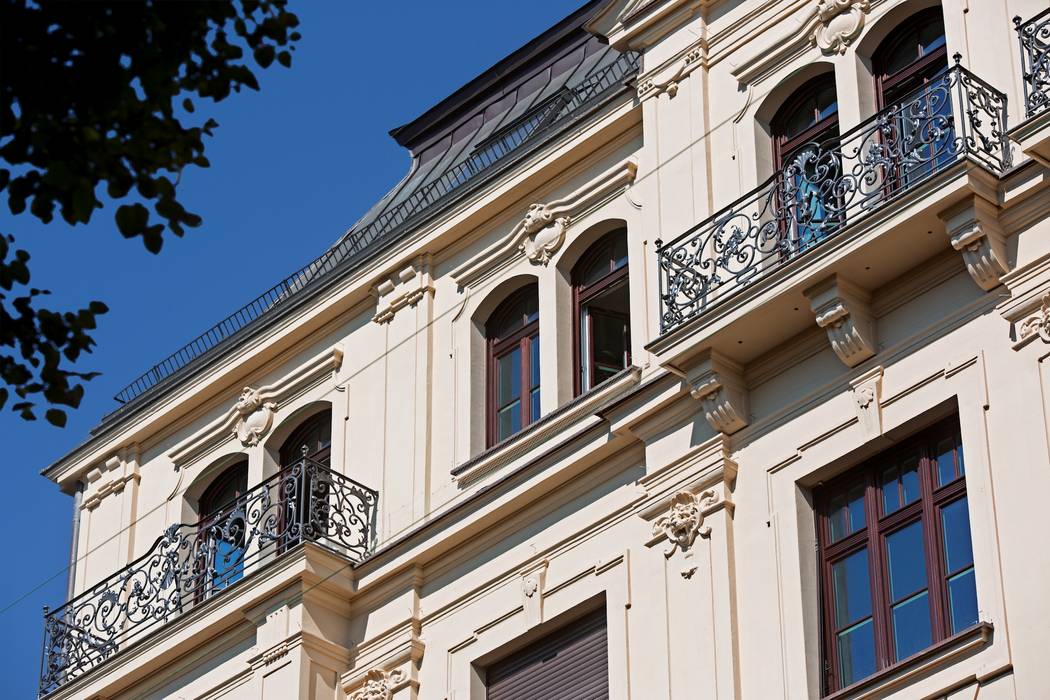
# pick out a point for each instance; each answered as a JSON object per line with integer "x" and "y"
{"x": 829, "y": 188}
{"x": 1033, "y": 38}
{"x": 190, "y": 564}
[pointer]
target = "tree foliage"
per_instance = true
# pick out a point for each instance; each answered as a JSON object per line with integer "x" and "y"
{"x": 97, "y": 94}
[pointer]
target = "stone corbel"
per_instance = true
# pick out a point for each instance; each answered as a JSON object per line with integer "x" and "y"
{"x": 533, "y": 583}
{"x": 867, "y": 401}
{"x": 111, "y": 477}
{"x": 844, "y": 311}
{"x": 666, "y": 79}
{"x": 1037, "y": 325}
{"x": 406, "y": 288}
{"x": 839, "y": 23}
{"x": 718, "y": 383}
{"x": 974, "y": 229}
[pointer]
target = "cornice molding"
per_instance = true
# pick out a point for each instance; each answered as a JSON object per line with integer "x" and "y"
{"x": 541, "y": 231}
{"x": 638, "y": 24}
{"x": 250, "y": 417}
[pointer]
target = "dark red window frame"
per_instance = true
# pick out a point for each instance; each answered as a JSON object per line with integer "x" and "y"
{"x": 891, "y": 86}
{"x": 315, "y": 434}
{"x": 602, "y": 251}
{"x": 216, "y": 502}
{"x": 784, "y": 144}
{"x": 514, "y": 325}
{"x": 941, "y": 483}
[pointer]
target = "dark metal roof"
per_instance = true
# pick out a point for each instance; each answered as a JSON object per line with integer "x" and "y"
{"x": 465, "y": 140}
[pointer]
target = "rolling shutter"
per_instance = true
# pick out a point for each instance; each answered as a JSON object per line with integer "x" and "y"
{"x": 569, "y": 664}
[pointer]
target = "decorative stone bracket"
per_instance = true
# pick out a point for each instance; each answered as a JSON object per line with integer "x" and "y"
{"x": 666, "y": 78}
{"x": 974, "y": 229}
{"x": 406, "y": 288}
{"x": 867, "y": 401}
{"x": 844, "y": 311}
{"x": 718, "y": 383}
{"x": 839, "y": 23}
{"x": 533, "y": 583}
{"x": 119, "y": 471}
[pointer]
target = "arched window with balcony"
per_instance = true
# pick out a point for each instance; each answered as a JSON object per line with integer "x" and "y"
{"x": 512, "y": 336}
{"x": 602, "y": 312}
{"x": 914, "y": 91}
{"x": 303, "y": 482}
{"x": 805, "y": 133}
{"x": 221, "y": 547}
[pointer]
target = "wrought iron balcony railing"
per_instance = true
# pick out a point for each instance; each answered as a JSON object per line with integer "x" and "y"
{"x": 190, "y": 564}
{"x": 829, "y": 186}
{"x": 1034, "y": 38}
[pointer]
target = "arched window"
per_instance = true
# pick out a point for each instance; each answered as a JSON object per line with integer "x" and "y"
{"x": 315, "y": 434}
{"x": 910, "y": 85}
{"x": 513, "y": 335}
{"x": 805, "y": 141}
{"x": 602, "y": 311}
{"x": 910, "y": 57}
{"x": 222, "y": 530}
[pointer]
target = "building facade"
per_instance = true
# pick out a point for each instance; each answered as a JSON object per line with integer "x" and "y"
{"x": 784, "y": 435}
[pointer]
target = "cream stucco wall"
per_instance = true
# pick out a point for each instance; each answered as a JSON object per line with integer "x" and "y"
{"x": 479, "y": 551}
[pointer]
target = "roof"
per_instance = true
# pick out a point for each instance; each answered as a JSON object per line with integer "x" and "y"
{"x": 468, "y": 138}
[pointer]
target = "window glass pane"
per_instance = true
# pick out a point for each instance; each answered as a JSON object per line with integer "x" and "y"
{"x": 228, "y": 565}
{"x": 609, "y": 342}
{"x": 856, "y": 650}
{"x": 846, "y": 513}
{"x": 962, "y": 600}
{"x": 911, "y": 626}
{"x": 851, "y": 588}
{"x": 619, "y": 251}
{"x": 910, "y": 480}
{"x": 534, "y": 405}
{"x": 958, "y": 549}
{"x": 945, "y": 461}
{"x": 509, "y": 420}
{"x": 906, "y": 559}
{"x": 508, "y": 370}
{"x": 891, "y": 493}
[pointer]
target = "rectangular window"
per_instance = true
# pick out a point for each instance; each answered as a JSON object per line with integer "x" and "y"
{"x": 571, "y": 662}
{"x": 896, "y": 558}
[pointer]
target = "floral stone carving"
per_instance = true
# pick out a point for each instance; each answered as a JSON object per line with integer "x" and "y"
{"x": 544, "y": 233}
{"x": 1038, "y": 323}
{"x": 840, "y": 22}
{"x": 683, "y": 522}
{"x": 254, "y": 417}
{"x": 379, "y": 685}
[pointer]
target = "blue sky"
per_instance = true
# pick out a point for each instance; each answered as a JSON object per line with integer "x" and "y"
{"x": 292, "y": 167}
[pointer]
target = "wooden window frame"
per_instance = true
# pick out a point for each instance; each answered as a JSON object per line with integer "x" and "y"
{"x": 873, "y": 535}
{"x": 885, "y": 82}
{"x": 212, "y": 509}
{"x": 783, "y": 145}
{"x": 496, "y": 348}
{"x": 583, "y": 293}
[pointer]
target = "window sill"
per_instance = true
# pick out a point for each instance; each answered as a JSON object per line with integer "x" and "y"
{"x": 926, "y": 661}
{"x": 565, "y": 416}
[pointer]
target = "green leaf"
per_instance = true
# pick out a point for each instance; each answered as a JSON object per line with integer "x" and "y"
{"x": 56, "y": 417}
{"x": 264, "y": 55}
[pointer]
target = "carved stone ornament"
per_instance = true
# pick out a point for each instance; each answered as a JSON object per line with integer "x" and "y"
{"x": 254, "y": 417}
{"x": 1038, "y": 324}
{"x": 529, "y": 586}
{"x": 718, "y": 384}
{"x": 867, "y": 396}
{"x": 544, "y": 234}
{"x": 379, "y": 685}
{"x": 840, "y": 22}
{"x": 975, "y": 232}
{"x": 683, "y": 522}
{"x": 843, "y": 311}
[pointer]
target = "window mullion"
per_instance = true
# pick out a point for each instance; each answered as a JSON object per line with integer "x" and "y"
{"x": 934, "y": 555}
{"x": 879, "y": 607}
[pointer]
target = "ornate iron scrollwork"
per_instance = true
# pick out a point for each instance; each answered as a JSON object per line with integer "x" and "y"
{"x": 189, "y": 563}
{"x": 830, "y": 185}
{"x": 1034, "y": 38}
